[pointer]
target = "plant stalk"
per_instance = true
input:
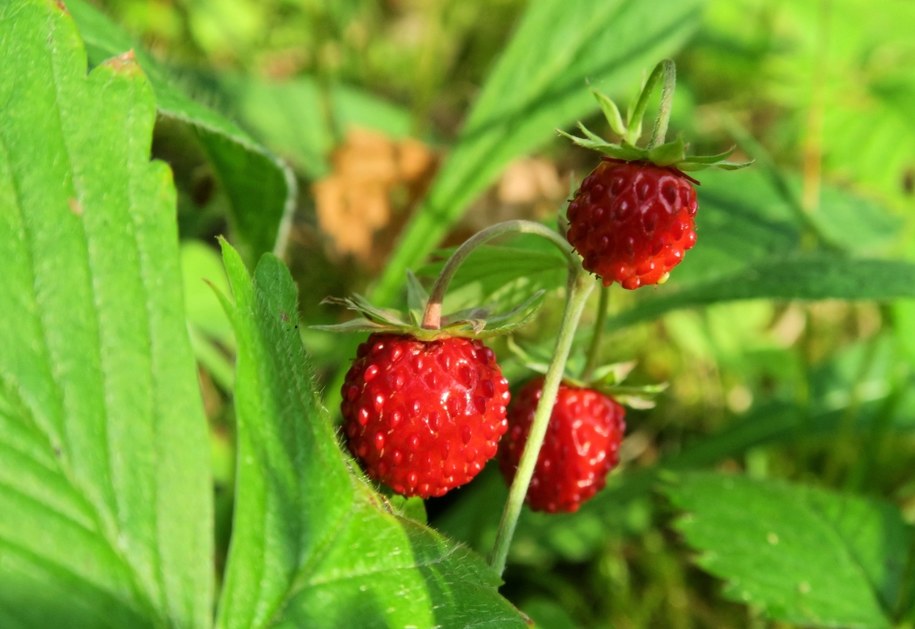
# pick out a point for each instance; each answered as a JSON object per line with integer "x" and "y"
{"x": 432, "y": 316}
{"x": 667, "y": 70}
{"x": 580, "y": 287}
{"x": 659, "y": 132}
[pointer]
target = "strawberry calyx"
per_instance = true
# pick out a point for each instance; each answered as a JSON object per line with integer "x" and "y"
{"x": 668, "y": 155}
{"x": 671, "y": 154}
{"x": 424, "y": 319}
{"x": 606, "y": 379}
{"x": 473, "y": 323}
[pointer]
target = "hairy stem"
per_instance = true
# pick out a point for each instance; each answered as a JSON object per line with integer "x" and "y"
{"x": 659, "y": 132}
{"x": 580, "y": 287}
{"x": 432, "y": 317}
{"x": 665, "y": 69}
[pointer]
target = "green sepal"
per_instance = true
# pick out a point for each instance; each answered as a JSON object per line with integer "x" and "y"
{"x": 613, "y": 374}
{"x": 670, "y": 154}
{"x": 611, "y": 113}
{"x": 417, "y": 297}
{"x": 607, "y": 380}
{"x": 358, "y": 303}
{"x": 666, "y": 154}
{"x": 477, "y": 323}
{"x": 638, "y": 397}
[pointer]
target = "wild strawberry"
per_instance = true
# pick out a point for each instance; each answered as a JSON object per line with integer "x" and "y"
{"x": 579, "y": 450}
{"x": 632, "y": 221}
{"x": 424, "y": 417}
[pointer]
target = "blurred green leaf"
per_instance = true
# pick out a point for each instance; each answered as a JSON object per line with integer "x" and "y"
{"x": 828, "y": 559}
{"x": 856, "y": 223}
{"x": 313, "y": 545}
{"x": 802, "y": 276}
{"x": 260, "y": 188}
{"x": 106, "y": 499}
{"x": 538, "y": 84}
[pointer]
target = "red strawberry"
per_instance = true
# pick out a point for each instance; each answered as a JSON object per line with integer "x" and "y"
{"x": 632, "y": 218}
{"x": 633, "y": 221}
{"x": 424, "y": 417}
{"x": 579, "y": 450}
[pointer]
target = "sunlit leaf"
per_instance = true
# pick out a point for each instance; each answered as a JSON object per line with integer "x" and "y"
{"x": 261, "y": 189}
{"x": 312, "y": 544}
{"x": 105, "y": 498}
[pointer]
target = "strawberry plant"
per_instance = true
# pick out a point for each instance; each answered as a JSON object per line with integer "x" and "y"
{"x": 666, "y": 395}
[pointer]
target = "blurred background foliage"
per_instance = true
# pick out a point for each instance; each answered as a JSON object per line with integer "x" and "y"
{"x": 365, "y": 99}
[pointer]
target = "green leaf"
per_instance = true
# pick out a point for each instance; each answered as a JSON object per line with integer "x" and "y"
{"x": 856, "y": 223}
{"x": 830, "y": 559}
{"x": 313, "y": 545}
{"x": 260, "y": 188}
{"x": 540, "y": 83}
{"x": 742, "y": 221}
{"x": 105, "y": 487}
{"x": 814, "y": 276}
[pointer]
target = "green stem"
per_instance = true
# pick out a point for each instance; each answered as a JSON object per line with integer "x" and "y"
{"x": 432, "y": 317}
{"x": 666, "y": 69}
{"x": 659, "y": 132}
{"x": 597, "y": 335}
{"x": 580, "y": 287}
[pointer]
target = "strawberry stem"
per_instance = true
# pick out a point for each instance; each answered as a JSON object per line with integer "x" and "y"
{"x": 666, "y": 70}
{"x": 580, "y": 287}
{"x": 432, "y": 316}
{"x": 659, "y": 131}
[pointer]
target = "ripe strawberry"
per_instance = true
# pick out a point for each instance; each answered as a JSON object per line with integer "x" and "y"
{"x": 424, "y": 417}
{"x": 579, "y": 450}
{"x": 633, "y": 221}
{"x": 632, "y": 218}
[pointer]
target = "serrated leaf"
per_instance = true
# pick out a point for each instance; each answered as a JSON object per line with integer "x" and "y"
{"x": 105, "y": 488}
{"x": 261, "y": 189}
{"x": 539, "y": 84}
{"x": 801, "y": 554}
{"x": 313, "y": 545}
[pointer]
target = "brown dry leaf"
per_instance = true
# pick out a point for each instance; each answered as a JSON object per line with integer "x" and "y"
{"x": 363, "y": 203}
